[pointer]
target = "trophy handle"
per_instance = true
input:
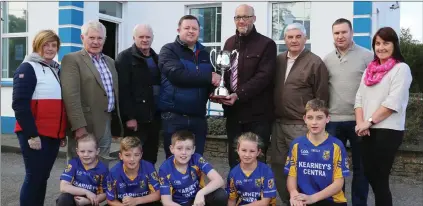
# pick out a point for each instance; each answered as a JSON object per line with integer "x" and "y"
{"x": 236, "y": 52}
{"x": 211, "y": 62}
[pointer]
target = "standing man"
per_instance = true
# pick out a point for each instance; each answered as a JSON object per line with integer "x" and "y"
{"x": 90, "y": 90}
{"x": 249, "y": 107}
{"x": 187, "y": 82}
{"x": 300, "y": 77}
{"x": 346, "y": 65}
{"x": 139, "y": 87}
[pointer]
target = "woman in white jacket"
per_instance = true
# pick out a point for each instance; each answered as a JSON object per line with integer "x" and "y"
{"x": 380, "y": 106}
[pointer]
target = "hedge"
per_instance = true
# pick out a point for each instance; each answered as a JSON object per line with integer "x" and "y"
{"x": 414, "y": 121}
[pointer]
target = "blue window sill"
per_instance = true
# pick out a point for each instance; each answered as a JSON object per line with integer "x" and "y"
{"x": 6, "y": 83}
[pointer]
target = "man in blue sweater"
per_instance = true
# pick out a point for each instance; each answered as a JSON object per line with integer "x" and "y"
{"x": 187, "y": 82}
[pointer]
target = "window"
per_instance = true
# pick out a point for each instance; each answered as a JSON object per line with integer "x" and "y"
{"x": 14, "y": 28}
{"x": 111, "y": 8}
{"x": 284, "y": 13}
{"x": 210, "y": 19}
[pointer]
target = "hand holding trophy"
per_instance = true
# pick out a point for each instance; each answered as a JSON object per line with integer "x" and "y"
{"x": 223, "y": 64}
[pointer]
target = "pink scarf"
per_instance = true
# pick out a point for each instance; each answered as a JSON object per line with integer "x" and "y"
{"x": 376, "y": 71}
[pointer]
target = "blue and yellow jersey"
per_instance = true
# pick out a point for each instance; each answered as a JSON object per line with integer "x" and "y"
{"x": 93, "y": 179}
{"x": 248, "y": 188}
{"x": 316, "y": 166}
{"x": 120, "y": 185}
{"x": 183, "y": 186}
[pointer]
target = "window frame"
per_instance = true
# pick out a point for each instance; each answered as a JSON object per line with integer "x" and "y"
{"x": 270, "y": 28}
{"x": 203, "y": 6}
{"x": 8, "y": 36}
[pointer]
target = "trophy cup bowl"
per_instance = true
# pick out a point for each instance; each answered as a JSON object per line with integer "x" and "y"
{"x": 223, "y": 63}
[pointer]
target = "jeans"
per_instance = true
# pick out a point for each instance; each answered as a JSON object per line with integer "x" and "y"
{"x": 360, "y": 186}
{"x": 235, "y": 129}
{"x": 378, "y": 152}
{"x": 38, "y": 165}
{"x": 172, "y": 122}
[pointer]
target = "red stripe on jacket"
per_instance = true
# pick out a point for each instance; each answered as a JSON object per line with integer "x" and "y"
{"x": 52, "y": 121}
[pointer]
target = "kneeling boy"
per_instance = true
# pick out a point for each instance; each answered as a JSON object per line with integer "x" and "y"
{"x": 182, "y": 176}
{"x": 317, "y": 163}
{"x": 132, "y": 181}
{"x": 84, "y": 180}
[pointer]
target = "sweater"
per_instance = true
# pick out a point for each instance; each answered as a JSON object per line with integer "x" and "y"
{"x": 345, "y": 74}
{"x": 391, "y": 92}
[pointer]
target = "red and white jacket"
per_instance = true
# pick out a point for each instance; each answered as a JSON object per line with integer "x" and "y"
{"x": 37, "y": 99}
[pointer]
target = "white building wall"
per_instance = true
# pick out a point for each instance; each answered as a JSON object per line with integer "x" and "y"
{"x": 6, "y": 102}
{"x": 323, "y": 14}
{"x": 385, "y": 17}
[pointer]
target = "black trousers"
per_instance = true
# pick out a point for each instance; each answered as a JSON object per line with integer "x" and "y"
{"x": 216, "y": 198}
{"x": 378, "y": 154}
{"x": 149, "y": 134}
{"x": 234, "y": 129}
{"x": 66, "y": 199}
{"x": 328, "y": 203}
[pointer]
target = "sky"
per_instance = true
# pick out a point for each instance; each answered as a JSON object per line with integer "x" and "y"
{"x": 412, "y": 17}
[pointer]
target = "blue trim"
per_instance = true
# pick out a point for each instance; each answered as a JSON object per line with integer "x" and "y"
{"x": 70, "y": 35}
{"x": 362, "y": 25}
{"x": 79, "y": 4}
{"x": 71, "y": 16}
{"x": 362, "y": 7}
{"x": 67, "y": 49}
{"x": 8, "y": 125}
{"x": 363, "y": 41}
{"x": 7, "y": 83}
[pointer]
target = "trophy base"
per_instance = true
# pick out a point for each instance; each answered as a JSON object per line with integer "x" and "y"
{"x": 220, "y": 92}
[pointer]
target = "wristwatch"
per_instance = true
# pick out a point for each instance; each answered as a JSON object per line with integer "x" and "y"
{"x": 371, "y": 121}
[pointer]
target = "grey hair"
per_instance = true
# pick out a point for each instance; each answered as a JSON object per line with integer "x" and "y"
{"x": 145, "y": 26}
{"x": 295, "y": 26}
{"x": 96, "y": 25}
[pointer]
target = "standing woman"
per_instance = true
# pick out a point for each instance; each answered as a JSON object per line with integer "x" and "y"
{"x": 380, "y": 106}
{"x": 40, "y": 115}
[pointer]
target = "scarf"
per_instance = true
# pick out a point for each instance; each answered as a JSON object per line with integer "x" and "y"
{"x": 375, "y": 71}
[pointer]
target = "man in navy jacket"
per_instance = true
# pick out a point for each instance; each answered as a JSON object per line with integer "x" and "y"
{"x": 187, "y": 82}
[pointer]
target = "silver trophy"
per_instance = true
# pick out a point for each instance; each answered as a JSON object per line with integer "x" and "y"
{"x": 223, "y": 64}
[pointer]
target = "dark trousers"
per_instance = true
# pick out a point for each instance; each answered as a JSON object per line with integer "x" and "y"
{"x": 378, "y": 152}
{"x": 38, "y": 165}
{"x": 149, "y": 134}
{"x": 360, "y": 186}
{"x": 328, "y": 203}
{"x": 66, "y": 199}
{"x": 172, "y": 122}
{"x": 234, "y": 129}
{"x": 216, "y": 198}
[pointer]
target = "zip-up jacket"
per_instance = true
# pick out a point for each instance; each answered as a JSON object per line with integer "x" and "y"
{"x": 186, "y": 79}
{"x": 37, "y": 99}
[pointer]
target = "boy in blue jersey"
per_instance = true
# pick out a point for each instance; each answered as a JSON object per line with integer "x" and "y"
{"x": 132, "y": 181}
{"x": 84, "y": 180}
{"x": 182, "y": 176}
{"x": 317, "y": 163}
{"x": 250, "y": 182}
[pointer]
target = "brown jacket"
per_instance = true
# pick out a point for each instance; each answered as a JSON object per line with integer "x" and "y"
{"x": 83, "y": 92}
{"x": 256, "y": 70}
{"x": 308, "y": 79}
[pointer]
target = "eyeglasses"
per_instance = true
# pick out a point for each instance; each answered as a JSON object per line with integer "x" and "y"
{"x": 245, "y": 18}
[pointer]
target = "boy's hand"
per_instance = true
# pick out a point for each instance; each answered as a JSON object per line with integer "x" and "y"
{"x": 129, "y": 201}
{"x": 296, "y": 202}
{"x": 199, "y": 199}
{"x": 306, "y": 199}
{"x": 92, "y": 197}
{"x": 80, "y": 201}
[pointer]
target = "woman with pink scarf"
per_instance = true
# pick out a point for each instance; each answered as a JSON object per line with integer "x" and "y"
{"x": 380, "y": 106}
